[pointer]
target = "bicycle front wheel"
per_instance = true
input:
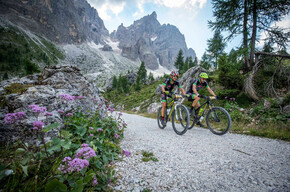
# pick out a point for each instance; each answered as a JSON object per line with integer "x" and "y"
{"x": 180, "y": 119}
{"x": 159, "y": 118}
{"x": 218, "y": 121}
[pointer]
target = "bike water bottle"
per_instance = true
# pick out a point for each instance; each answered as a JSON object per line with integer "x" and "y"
{"x": 201, "y": 118}
{"x": 167, "y": 111}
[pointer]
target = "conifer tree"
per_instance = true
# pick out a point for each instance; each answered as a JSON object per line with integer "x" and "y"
{"x": 115, "y": 83}
{"x": 142, "y": 72}
{"x": 179, "y": 61}
{"x": 216, "y": 46}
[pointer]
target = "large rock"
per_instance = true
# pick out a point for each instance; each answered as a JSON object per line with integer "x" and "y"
{"x": 44, "y": 90}
{"x": 189, "y": 76}
{"x": 153, "y": 108}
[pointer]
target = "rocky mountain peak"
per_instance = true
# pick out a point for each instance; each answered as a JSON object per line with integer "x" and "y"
{"x": 62, "y": 21}
{"x": 155, "y": 44}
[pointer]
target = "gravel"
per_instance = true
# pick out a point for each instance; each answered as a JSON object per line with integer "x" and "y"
{"x": 199, "y": 160}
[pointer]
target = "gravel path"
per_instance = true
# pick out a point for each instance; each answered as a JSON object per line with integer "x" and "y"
{"x": 200, "y": 160}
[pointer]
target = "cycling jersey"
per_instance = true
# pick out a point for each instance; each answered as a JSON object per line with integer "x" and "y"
{"x": 198, "y": 84}
{"x": 168, "y": 86}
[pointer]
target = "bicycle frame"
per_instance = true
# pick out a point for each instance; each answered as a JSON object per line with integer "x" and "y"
{"x": 173, "y": 105}
{"x": 205, "y": 104}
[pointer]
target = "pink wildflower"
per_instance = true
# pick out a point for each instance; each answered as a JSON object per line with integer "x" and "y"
{"x": 37, "y": 125}
{"x": 67, "y": 97}
{"x": 117, "y": 136}
{"x": 85, "y": 152}
{"x": 126, "y": 153}
{"x": 69, "y": 115}
{"x": 48, "y": 114}
{"x": 95, "y": 182}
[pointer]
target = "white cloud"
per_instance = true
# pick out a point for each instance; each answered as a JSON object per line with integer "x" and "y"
{"x": 188, "y": 4}
{"x": 171, "y": 3}
{"x": 105, "y": 7}
{"x": 284, "y": 24}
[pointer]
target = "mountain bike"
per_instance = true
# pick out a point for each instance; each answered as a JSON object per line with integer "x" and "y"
{"x": 218, "y": 119}
{"x": 178, "y": 113}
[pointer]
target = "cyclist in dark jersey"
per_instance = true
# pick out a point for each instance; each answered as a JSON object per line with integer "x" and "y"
{"x": 166, "y": 90}
{"x": 193, "y": 92}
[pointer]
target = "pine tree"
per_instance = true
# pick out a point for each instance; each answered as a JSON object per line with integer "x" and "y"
{"x": 142, "y": 72}
{"x": 124, "y": 84}
{"x": 115, "y": 83}
{"x": 190, "y": 62}
{"x": 205, "y": 61}
{"x": 179, "y": 61}
{"x": 151, "y": 78}
{"x": 119, "y": 85}
{"x": 185, "y": 65}
{"x": 246, "y": 17}
{"x": 137, "y": 85}
{"x": 216, "y": 46}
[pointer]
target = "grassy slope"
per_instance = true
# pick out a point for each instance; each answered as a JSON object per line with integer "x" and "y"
{"x": 22, "y": 55}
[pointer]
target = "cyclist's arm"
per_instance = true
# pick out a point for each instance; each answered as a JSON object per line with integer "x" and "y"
{"x": 163, "y": 88}
{"x": 182, "y": 91}
{"x": 194, "y": 89}
{"x": 210, "y": 91}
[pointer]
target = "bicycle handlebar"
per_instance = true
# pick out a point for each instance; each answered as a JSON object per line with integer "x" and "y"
{"x": 208, "y": 98}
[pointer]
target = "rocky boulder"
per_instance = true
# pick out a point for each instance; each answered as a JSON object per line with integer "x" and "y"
{"x": 186, "y": 80}
{"x": 189, "y": 76}
{"x": 107, "y": 47}
{"x": 153, "y": 108}
{"x": 45, "y": 90}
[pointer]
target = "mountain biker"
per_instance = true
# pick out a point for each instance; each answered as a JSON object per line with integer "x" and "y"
{"x": 166, "y": 90}
{"x": 193, "y": 92}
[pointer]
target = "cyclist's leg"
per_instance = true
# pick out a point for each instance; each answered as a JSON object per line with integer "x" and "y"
{"x": 196, "y": 100}
{"x": 163, "y": 100}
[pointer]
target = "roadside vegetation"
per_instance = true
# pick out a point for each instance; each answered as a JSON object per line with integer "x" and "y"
{"x": 80, "y": 156}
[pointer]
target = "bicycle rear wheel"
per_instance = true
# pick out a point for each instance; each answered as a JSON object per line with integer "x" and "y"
{"x": 218, "y": 121}
{"x": 180, "y": 119}
{"x": 159, "y": 118}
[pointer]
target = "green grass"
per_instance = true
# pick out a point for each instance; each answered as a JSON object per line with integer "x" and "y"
{"x": 142, "y": 98}
{"x": 148, "y": 156}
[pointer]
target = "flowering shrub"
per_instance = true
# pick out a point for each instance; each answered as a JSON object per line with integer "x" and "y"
{"x": 79, "y": 158}
{"x": 11, "y": 118}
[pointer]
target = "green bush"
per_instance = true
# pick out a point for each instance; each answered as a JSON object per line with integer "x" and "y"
{"x": 229, "y": 75}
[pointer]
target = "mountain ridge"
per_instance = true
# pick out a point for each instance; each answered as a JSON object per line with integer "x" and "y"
{"x": 75, "y": 23}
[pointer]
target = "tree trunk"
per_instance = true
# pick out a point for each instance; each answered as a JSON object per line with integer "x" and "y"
{"x": 254, "y": 33}
{"x": 245, "y": 36}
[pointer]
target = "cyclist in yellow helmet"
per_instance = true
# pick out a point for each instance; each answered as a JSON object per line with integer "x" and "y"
{"x": 193, "y": 92}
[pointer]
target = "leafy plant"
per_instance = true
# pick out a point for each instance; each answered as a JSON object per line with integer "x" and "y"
{"x": 79, "y": 158}
{"x": 148, "y": 156}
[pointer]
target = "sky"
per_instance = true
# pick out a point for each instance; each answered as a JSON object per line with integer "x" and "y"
{"x": 189, "y": 16}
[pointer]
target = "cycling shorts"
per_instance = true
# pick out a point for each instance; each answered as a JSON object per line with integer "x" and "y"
{"x": 164, "y": 96}
{"x": 191, "y": 97}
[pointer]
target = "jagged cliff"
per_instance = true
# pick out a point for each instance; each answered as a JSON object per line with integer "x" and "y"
{"x": 78, "y": 31}
{"x": 62, "y": 21}
{"x": 151, "y": 42}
